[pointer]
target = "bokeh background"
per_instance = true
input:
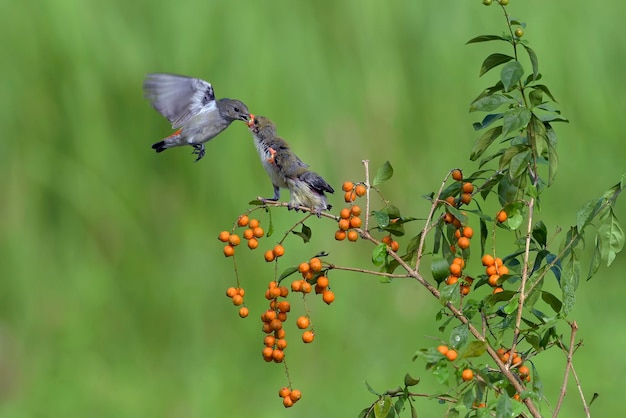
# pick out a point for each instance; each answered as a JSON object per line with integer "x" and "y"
{"x": 111, "y": 280}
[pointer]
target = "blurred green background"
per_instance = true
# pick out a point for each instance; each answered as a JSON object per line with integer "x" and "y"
{"x": 112, "y": 282}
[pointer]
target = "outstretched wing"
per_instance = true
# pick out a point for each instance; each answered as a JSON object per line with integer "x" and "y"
{"x": 177, "y": 97}
{"x": 316, "y": 182}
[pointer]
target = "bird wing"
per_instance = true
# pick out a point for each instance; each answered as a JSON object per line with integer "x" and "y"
{"x": 316, "y": 182}
{"x": 177, "y": 97}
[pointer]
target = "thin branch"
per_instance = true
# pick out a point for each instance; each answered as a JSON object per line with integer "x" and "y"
{"x": 367, "y": 193}
{"x": 570, "y": 366}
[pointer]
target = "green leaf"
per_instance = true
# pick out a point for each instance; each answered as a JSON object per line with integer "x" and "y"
{"x": 379, "y": 254}
{"x": 587, "y": 212}
{"x": 519, "y": 164}
{"x": 540, "y": 233}
{"x": 534, "y": 61}
{"x": 382, "y": 218}
{"x": 511, "y": 307}
{"x": 611, "y": 238}
{"x": 504, "y": 408}
{"x": 484, "y": 141}
{"x": 383, "y": 407}
{"x": 511, "y": 74}
{"x": 449, "y": 293}
{"x": 441, "y": 373}
{"x": 440, "y": 269}
{"x": 475, "y": 349}
{"x": 459, "y": 336}
{"x": 410, "y": 381}
{"x": 487, "y": 120}
{"x": 490, "y": 103}
{"x": 552, "y": 300}
{"x": 594, "y": 264}
{"x": 544, "y": 89}
{"x": 383, "y": 174}
{"x": 288, "y": 272}
{"x": 492, "y": 61}
{"x": 535, "y": 97}
{"x": 413, "y": 411}
{"x": 485, "y": 38}
{"x": 508, "y": 154}
{"x": 305, "y": 234}
{"x": 515, "y": 120}
{"x": 569, "y": 281}
{"x": 371, "y": 389}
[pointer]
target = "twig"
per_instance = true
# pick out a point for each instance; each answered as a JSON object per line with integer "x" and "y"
{"x": 570, "y": 366}
{"x": 367, "y": 193}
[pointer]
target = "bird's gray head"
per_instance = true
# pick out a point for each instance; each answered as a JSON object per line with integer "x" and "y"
{"x": 233, "y": 110}
{"x": 263, "y": 126}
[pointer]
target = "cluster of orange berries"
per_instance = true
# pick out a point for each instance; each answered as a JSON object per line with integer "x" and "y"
{"x": 252, "y": 233}
{"x": 495, "y": 269}
{"x": 312, "y": 271}
{"x": 236, "y": 294}
{"x": 274, "y": 253}
{"x": 391, "y": 243}
{"x": 289, "y": 396}
{"x": 456, "y": 271}
{"x": 448, "y": 353}
{"x": 516, "y": 360}
{"x": 273, "y": 319}
{"x": 466, "y": 191}
{"x": 349, "y": 217}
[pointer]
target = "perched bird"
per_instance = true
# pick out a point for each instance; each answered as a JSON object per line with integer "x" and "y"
{"x": 190, "y": 106}
{"x": 286, "y": 170}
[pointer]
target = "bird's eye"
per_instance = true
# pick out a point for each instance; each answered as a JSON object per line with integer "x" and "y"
{"x": 236, "y": 109}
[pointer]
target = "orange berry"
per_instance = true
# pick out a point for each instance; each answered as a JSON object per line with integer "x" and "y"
{"x": 347, "y": 186}
{"x": 240, "y": 291}
{"x": 459, "y": 261}
{"x": 466, "y": 198}
{"x": 287, "y": 402}
{"x": 304, "y": 267}
{"x": 395, "y": 246}
{"x": 258, "y": 232}
{"x": 269, "y": 255}
{"x": 278, "y": 355}
{"x": 231, "y": 291}
{"x": 267, "y": 353}
{"x": 524, "y": 371}
{"x": 234, "y": 240}
{"x": 468, "y": 187}
{"x": 237, "y": 300}
{"x": 467, "y": 375}
{"x": 360, "y": 190}
{"x": 452, "y": 280}
{"x": 322, "y": 281}
{"x": 355, "y": 210}
{"x": 295, "y": 395}
{"x": 455, "y": 270}
{"x": 281, "y": 344}
{"x": 229, "y": 251}
{"x": 253, "y": 243}
{"x": 448, "y": 218}
{"x": 463, "y": 243}
{"x": 516, "y": 397}
{"x": 306, "y": 287}
{"x": 284, "y": 392}
{"x": 243, "y": 220}
{"x": 274, "y": 292}
{"x": 443, "y": 349}
{"x": 269, "y": 340}
{"x": 345, "y": 213}
{"x": 500, "y": 351}
{"x": 355, "y": 222}
{"x": 328, "y": 296}
{"x": 457, "y": 174}
{"x": 296, "y": 285}
{"x": 349, "y": 196}
{"x": 487, "y": 260}
{"x": 278, "y": 250}
{"x": 284, "y": 306}
{"x": 498, "y": 261}
{"x": 344, "y": 224}
{"x": 457, "y": 234}
{"x": 456, "y": 223}
{"x": 276, "y": 324}
{"x": 501, "y": 216}
{"x": 280, "y": 333}
{"x": 308, "y": 275}
{"x": 465, "y": 289}
{"x": 282, "y": 316}
{"x": 352, "y": 235}
{"x": 503, "y": 270}
{"x": 516, "y": 360}
{"x": 450, "y": 200}
{"x": 253, "y": 223}
{"x": 223, "y": 236}
{"x": 468, "y": 280}
{"x": 340, "y": 235}
{"x": 316, "y": 264}
{"x": 493, "y": 280}
{"x": 451, "y": 355}
{"x": 243, "y": 312}
{"x": 491, "y": 270}
{"x": 468, "y": 232}
{"x": 498, "y": 290}
{"x": 308, "y": 337}
{"x": 302, "y": 322}
{"x": 248, "y": 233}
{"x": 387, "y": 239}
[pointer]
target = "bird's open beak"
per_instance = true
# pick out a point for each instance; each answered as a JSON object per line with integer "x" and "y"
{"x": 250, "y": 121}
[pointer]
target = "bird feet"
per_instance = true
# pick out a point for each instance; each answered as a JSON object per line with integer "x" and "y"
{"x": 199, "y": 150}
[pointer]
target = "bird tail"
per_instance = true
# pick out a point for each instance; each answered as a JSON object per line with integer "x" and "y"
{"x": 169, "y": 142}
{"x": 159, "y": 146}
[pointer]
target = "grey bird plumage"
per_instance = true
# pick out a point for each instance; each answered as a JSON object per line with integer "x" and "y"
{"x": 286, "y": 169}
{"x": 190, "y": 106}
